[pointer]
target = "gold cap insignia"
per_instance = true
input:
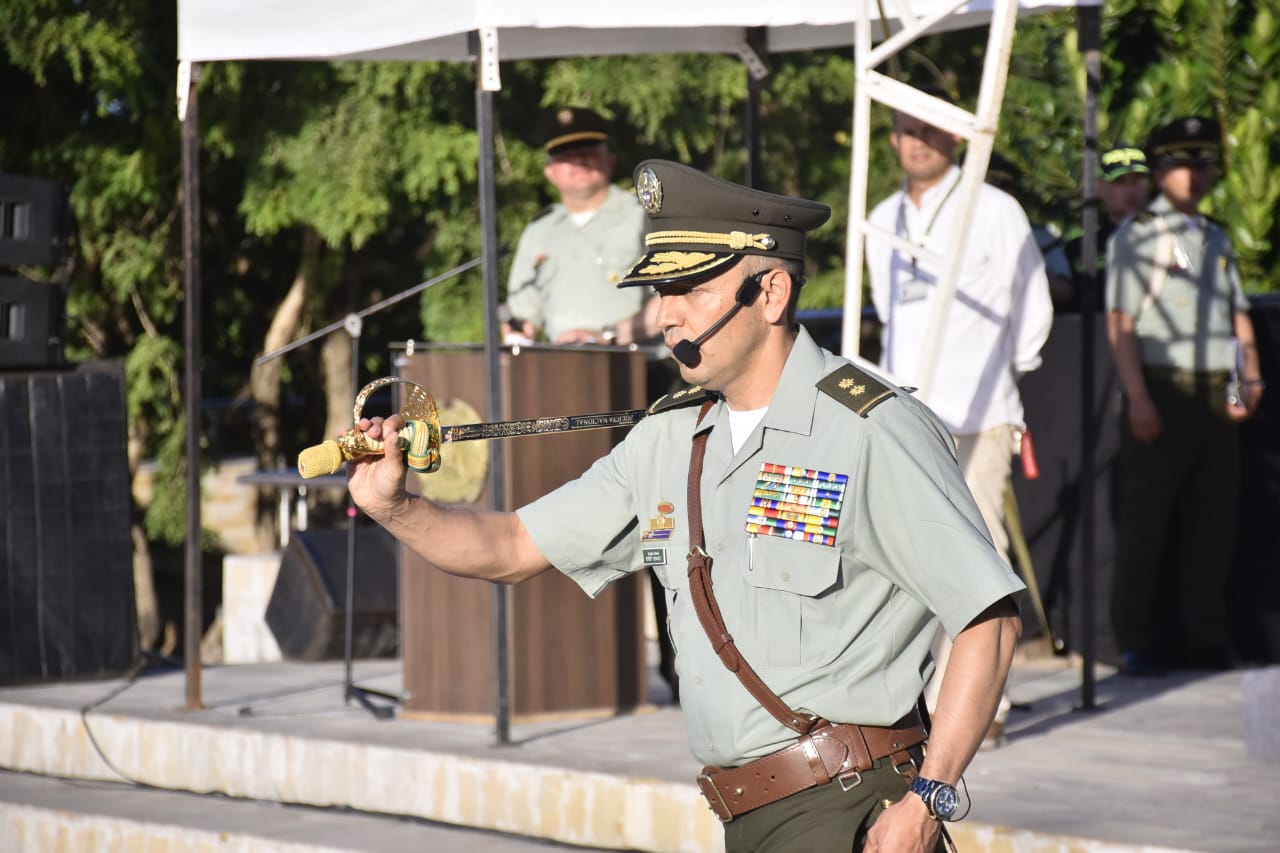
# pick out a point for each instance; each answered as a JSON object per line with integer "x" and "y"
{"x": 649, "y": 190}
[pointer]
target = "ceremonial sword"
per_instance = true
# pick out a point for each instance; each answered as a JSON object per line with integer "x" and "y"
{"x": 423, "y": 434}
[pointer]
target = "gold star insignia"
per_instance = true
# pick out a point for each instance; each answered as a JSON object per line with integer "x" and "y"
{"x": 845, "y": 383}
{"x": 857, "y": 390}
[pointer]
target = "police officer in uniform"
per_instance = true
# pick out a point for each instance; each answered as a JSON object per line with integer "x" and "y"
{"x": 809, "y": 522}
{"x": 562, "y": 285}
{"x": 1124, "y": 188}
{"x": 1179, "y": 326}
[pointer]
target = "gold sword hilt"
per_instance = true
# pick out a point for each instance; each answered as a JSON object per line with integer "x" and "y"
{"x": 420, "y": 438}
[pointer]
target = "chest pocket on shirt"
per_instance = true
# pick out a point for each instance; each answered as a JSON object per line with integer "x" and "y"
{"x": 789, "y": 622}
{"x": 544, "y": 271}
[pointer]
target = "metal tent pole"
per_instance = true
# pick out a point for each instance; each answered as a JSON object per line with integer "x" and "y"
{"x": 753, "y": 54}
{"x": 485, "y": 48}
{"x": 1089, "y": 24}
{"x": 193, "y": 586}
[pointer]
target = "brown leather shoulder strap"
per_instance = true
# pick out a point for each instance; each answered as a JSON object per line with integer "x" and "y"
{"x": 704, "y": 600}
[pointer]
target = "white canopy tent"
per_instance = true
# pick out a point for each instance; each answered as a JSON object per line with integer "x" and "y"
{"x": 213, "y": 30}
{"x": 488, "y": 31}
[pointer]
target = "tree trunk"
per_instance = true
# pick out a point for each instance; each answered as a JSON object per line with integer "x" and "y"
{"x": 335, "y": 361}
{"x": 264, "y": 380}
{"x": 337, "y": 353}
{"x": 144, "y": 590}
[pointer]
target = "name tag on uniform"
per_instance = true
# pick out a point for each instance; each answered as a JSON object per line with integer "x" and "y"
{"x": 654, "y": 556}
{"x": 797, "y": 503}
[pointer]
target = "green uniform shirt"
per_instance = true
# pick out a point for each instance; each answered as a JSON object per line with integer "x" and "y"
{"x": 841, "y": 629}
{"x": 1190, "y": 323}
{"x": 565, "y": 276}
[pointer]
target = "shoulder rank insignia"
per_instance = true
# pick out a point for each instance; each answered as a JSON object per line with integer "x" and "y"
{"x": 855, "y": 388}
{"x": 683, "y": 397}
{"x": 1145, "y": 215}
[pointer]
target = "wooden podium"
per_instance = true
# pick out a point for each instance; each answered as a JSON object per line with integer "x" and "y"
{"x": 569, "y": 655}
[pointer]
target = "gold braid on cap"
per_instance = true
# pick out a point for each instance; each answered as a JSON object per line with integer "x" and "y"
{"x": 734, "y": 240}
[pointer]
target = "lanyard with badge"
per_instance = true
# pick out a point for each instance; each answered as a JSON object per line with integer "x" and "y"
{"x": 917, "y": 286}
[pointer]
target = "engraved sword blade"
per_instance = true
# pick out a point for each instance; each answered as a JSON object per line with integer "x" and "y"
{"x": 540, "y": 426}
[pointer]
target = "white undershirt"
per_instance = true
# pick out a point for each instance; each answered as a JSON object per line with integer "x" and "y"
{"x": 742, "y": 423}
{"x": 582, "y": 217}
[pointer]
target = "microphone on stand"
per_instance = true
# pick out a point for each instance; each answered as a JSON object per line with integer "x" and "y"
{"x": 687, "y": 351}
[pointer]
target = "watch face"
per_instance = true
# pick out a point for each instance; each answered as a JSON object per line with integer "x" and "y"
{"x": 945, "y": 802}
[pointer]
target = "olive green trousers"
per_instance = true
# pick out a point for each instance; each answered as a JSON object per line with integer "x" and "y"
{"x": 825, "y": 819}
{"x": 1177, "y": 521}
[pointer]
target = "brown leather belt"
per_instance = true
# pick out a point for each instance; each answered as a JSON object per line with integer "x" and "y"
{"x": 829, "y": 751}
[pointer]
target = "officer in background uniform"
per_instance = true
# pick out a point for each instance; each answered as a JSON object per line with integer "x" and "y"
{"x": 1178, "y": 323}
{"x": 1124, "y": 188}
{"x": 562, "y": 285}
{"x": 835, "y": 520}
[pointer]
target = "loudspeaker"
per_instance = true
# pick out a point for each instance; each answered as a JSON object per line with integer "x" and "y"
{"x": 33, "y": 221}
{"x": 31, "y": 323}
{"x": 66, "y": 559}
{"x": 307, "y": 611}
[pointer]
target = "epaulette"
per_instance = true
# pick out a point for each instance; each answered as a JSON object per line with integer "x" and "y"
{"x": 683, "y": 397}
{"x": 1145, "y": 215}
{"x": 855, "y": 388}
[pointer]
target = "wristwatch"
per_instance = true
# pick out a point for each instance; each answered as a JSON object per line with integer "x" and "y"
{"x": 609, "y": 335}
{"x": 940, "y": 798}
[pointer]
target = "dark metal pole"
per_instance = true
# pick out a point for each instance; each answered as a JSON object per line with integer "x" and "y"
{"x": 1090, "y": 41}
{"x": 193, "y": 624}
{"x": 486, "y": 70}
{"x": 348, "y": 690}
{"x": 755, "y": 86}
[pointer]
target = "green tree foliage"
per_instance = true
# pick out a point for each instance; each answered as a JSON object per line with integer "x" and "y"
{"x": 359, "y": 179}
{"x": 1169, "y": 58}
{"x": 87, "y": 97}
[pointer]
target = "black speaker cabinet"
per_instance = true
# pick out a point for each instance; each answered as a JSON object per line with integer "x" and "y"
{"x": 31, "y": 323}
{"x": 66, "y": 559}
{"x": 307, "y": 611}
{"x": 33, "y": 221}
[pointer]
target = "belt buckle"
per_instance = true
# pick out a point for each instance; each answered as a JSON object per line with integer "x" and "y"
{"x": 908, "y": 769}
{"x": 844, "y": 779}
{"x": 724, "y": 814}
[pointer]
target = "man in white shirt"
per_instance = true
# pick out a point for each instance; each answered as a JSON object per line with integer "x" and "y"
{"x": 996, "y": 326}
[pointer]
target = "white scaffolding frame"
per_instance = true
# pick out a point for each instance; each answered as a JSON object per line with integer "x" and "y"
{"x": 978, "y": 127}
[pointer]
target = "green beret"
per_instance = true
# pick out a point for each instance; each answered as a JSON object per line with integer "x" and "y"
{"x": 1186, "y": 141}
{"x": 699, "y": 225}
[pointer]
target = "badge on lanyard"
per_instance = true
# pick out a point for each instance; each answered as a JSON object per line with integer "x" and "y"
{"x": 915, "y": 287}
{"x": 797, "y": 503}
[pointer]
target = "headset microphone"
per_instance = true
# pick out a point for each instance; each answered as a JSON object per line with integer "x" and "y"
{"x": 686, "y": 351}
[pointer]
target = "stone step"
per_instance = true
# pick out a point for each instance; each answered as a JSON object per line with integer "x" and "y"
{"x": 41, "y": 814}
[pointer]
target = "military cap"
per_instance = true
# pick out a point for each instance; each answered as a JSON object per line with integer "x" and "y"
{"x": 1122, "y": 160}
{"x": 567, "y": 127}
{"x": 700, "y": 224}
{"x": 1185, "y": 141}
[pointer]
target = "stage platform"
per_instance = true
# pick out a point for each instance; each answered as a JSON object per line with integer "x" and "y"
{"x": 1160, "y": 764}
